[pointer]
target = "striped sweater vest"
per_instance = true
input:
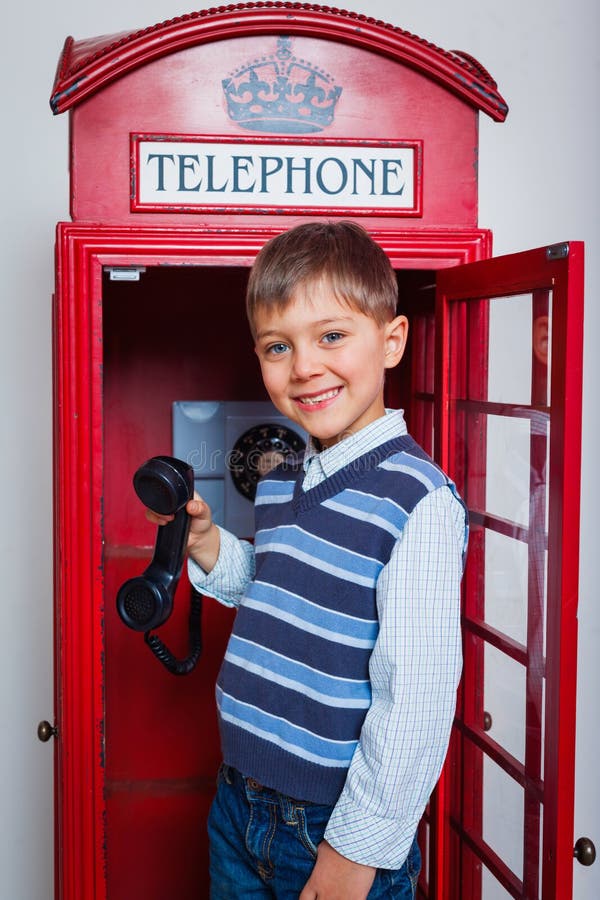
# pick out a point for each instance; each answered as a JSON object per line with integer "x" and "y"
{"x": 294, "y": 687}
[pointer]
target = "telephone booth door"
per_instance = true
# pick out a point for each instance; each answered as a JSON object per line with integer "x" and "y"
{"x": 508, "y": 410}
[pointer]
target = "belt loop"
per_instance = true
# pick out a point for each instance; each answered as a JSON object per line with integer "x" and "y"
{"x": 288, "y": 808}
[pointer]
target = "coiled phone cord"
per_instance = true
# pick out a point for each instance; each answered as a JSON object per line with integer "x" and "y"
{"x": 162, "y": 652}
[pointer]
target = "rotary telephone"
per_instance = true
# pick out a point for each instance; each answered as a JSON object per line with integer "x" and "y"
{"x": 163, "y": 484}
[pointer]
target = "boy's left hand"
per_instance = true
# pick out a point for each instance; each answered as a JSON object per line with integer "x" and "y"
{"x": 335, "y": 877}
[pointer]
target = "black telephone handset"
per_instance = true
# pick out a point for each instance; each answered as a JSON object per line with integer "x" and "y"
{"x": 163, "y": 484}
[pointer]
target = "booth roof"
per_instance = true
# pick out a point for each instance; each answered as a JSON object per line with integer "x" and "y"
{"x": 86, "y": 66}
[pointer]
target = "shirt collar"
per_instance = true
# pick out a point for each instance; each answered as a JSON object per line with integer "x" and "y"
{"x": 374, "y": 434}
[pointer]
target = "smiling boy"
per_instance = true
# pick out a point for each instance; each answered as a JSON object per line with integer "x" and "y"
{"x": 312, "y": 356}
{"x": 337, "y": 691}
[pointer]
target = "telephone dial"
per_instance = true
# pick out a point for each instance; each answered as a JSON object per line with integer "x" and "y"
{"x": 163, "y": 484}
{"x": 258, "y": 450}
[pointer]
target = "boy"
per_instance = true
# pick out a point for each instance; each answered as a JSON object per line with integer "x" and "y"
{"x": 337, "y": 690}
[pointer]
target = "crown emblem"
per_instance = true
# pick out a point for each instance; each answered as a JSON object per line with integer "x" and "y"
{"x": 281, "y": 93}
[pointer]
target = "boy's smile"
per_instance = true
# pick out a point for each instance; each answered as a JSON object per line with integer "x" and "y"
{"x": 323, "y": 362}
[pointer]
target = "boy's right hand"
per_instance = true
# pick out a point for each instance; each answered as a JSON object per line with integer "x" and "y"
{"x": 203, "y": 540}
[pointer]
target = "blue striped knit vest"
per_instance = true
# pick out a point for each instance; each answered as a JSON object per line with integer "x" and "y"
{"x": 294, "y": 687}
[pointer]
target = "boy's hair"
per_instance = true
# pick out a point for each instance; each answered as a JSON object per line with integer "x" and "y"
{"x": 342, "y": 253}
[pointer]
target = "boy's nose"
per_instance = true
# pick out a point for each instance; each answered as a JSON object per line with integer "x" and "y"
{"x": 306, "y": 363}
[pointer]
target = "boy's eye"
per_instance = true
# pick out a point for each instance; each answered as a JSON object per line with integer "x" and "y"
{"x": 332, "y": 337}
{"x": 277, "y": 349}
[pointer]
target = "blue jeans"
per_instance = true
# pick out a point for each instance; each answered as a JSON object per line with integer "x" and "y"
{"x": 264, "y": 844}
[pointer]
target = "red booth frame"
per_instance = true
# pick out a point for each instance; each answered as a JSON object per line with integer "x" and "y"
{"x": 83, "y": 250}
{"x": 82, "y": 253}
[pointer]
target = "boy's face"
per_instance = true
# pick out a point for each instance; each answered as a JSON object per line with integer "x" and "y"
{"x": 323, "y": 362}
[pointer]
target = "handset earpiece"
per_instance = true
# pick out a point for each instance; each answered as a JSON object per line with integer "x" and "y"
{"x": 163, "y": 484}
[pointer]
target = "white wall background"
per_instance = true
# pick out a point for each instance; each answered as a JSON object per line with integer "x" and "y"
{"x": 539, "y": 184}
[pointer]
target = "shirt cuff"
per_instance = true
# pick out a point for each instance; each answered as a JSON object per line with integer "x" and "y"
{"x": 234, "y": 569}
{"x": 368, "y": 839}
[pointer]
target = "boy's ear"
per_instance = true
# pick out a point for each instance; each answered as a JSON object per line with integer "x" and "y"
{"x": 396, "y": 333}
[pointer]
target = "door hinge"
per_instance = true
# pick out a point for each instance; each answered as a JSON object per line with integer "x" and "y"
{"x": 557, "y": 251}
{"x": 125, "y": 273}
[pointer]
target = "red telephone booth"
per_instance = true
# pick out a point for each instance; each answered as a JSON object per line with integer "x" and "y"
{"x": 192, "y": 142}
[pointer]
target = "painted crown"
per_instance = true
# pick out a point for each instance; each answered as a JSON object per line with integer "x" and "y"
{"x": 281, "y": 93}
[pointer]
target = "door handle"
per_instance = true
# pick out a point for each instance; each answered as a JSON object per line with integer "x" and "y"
{"x": 584, "y": 851}
{"x": 45, "y": 731}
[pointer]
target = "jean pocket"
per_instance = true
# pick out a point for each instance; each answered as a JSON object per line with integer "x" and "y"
{"x": 311, "y": 822}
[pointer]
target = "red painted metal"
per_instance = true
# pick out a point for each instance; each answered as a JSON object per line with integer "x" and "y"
{"x": 563, "y": 575}
{"x": 90, "y": 65}
{"x": 550, "y": 746}
{"x": 187, "y": 96}
{"x": 79, "y": 589}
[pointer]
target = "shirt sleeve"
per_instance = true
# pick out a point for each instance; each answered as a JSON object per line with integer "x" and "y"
{"x": 414, "y": 668}
{"x": 234, "y": 569}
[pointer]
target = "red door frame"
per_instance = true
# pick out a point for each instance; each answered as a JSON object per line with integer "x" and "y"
{"x": 558, "y": 270}
{"x": 82, "y": 252}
